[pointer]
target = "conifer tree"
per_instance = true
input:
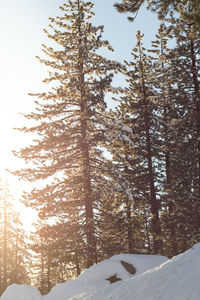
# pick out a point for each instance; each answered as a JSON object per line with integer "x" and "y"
{"x": 176, "y": 83}
{"x": 121, "y": 223}
{"x": 163, "y": 84}
{"x": 164, "y": 8}
{"x": 55, "y": 259}
{"x": 70, "y": 125}
{"x": 13, "y": 249}
{"x": 185, "y": 124}
{"x": 20, "y": 259}
{"x": 137, "y": 111}
{"x": 146, "y": 120}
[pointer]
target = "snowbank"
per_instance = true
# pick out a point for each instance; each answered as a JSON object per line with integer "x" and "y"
{"x": 157, "y": 278}
{"x": 175, "y": 279}
{"x": 94, "y": 278}
{"x": 21, "y": 292}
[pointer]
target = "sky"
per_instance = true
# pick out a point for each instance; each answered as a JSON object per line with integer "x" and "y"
{"x": 21, "y": 36}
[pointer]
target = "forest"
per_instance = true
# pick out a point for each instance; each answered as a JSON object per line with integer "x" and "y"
{"x": 115, "y": 180}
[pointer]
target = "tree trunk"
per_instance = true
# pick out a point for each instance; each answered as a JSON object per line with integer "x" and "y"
{"x": 78, "y": 270}
{"x": 89, "y": 227}
{"x": 158, "y": 244}
{"x": 197, "y": 104}
{"x": 171, "y": 208}
{"x": 16, "y": 254}
{"x": 48, "y": 271}
{"x": 42, "y": 270}
{"x": 88, "y": 198}
{"x": 129, "y": 229}
{"x": 5, "y": 250}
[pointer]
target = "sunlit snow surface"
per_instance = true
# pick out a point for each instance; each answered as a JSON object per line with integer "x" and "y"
{"x": 21, "y": 292}
{"x": 156, "y": 279}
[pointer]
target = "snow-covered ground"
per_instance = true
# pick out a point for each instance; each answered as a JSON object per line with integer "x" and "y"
{"x": 156, "y": 278}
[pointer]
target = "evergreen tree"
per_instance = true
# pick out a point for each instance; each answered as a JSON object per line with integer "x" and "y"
{"x": 163, "y": 84}
{"x": 70, "y": 125}
{"x": 140, "y": 150}
{"x": 176, "y": 95}
{"x": 146, "y": 123}
{"x": 164, "y": 8}
{"x": 20, "y": 259}
{"x": 121, "y": 223}
{"x": 13, "y": 249}
{"x": 185, "y": 124}
{"x": 55, "y": 259}
{"x": 176, "y": 84}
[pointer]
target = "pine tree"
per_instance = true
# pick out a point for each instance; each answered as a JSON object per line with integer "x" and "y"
{"x": 52, "y": 262}
{"x": 138, "y": 157}
{"x": 13, "y": 250}
{"x": 175, "y": 83}
{"x": 71, "y": 128}
{"x": 121, "y": 223}
{"x": 20, "y": 255}
{"x": 163, "y": 84}
{"x": 164, "y": 8}
{"x": 145, "y": 117}
{"x": 176, "y": 95}
{"x": 185, "y": 124}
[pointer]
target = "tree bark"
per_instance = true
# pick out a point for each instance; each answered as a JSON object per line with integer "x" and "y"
{"x": 197, "y": 104}
{"x": 158, "y": 244}
{"x": 78, "y": 270}
{"x": 88, "y": 197}
{"x": 5, "y": 248}
{"x": 130, "y": 229}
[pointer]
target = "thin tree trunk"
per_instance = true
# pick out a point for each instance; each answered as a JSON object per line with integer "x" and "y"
{"x": 90, "y": 232}
{"x": 88, "y": 197}
{"x": 1, "y": 273}
{"x": 130, "y": 229}
{"x": 78, "y": 270}
{"x": 42, "y": 270}
{"x": 167, "y": 161}
{"x": 197, "y": 104}
{"x": 16, "y": 254}
{"x": 147, "y": 236}
{"x": 5, "y": 248}
{"x": 158, "y": 244}
{"x": 171, "y": 207}
{"x": 48, "y": 272}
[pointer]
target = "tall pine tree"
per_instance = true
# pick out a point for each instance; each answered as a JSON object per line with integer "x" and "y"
{"x": 140, "y": 150}
{"x": 70, "y": 125}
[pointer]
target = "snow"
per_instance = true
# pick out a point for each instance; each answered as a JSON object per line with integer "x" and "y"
{"x": 175, "y": 279}
{"x": 21, "y": 292}
{"x": 94, "y": 278}
{"x": 157, "y": 278}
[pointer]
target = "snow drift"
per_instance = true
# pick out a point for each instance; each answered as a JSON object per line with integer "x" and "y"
{"x": 175, "y": 279}
{"x": 157, "y": 278}
{"x": 94, "y": 278}
{"x": 22, "y": 292}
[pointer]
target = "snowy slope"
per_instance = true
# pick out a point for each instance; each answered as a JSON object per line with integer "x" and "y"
{"x": 93, "y": 279}
{"x": 175, "y": 279}
{"x": 21, "y": 292}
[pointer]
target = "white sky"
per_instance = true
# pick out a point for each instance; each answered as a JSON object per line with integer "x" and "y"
{"x": 21, "y": 36}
